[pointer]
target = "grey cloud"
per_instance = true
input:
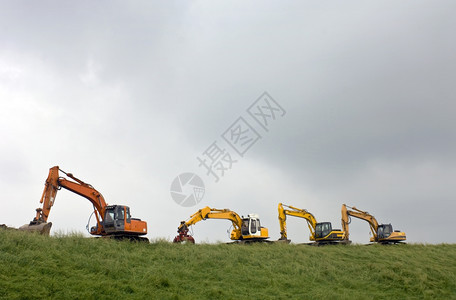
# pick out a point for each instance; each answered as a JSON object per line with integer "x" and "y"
{"x": 142, "y": 88}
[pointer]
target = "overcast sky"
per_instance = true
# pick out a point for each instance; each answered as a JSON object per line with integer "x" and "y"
{"x": 127, "y": 94}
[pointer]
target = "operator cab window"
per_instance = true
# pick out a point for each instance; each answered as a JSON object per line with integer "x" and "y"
{"x": 380, "y": 232}
{"x": 128, "y": 215}
{"x": 120, "y": 213}
{"x": 318, "y": 230}
{"x": 109, "y": 216}
{"x": 326, "y": 229}
{"x": 387, "y": 231}
{"x": 253, "y": 228}
{"x": 245, "y": 227}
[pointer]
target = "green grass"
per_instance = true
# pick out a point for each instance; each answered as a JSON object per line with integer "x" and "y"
{"x": 73, "y": 267}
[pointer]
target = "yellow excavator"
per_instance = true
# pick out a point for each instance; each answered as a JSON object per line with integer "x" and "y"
{"x": 382, "y": 234}
{"x": 244, "y": 229}
{"x": 112, "y": 220}
{"x": 321, "y": 233}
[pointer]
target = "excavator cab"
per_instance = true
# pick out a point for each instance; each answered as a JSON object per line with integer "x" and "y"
{"x": 384, "y": 231}
{"x": 117, "y": 221}
{"x": 322, "y": 229}
{"x": 114, "y": 220}
{"x": 324, "y": 233}
{"x": 250, "y": 226}
{"x": 386, "y": 234}
{"x": 252, "y": 229}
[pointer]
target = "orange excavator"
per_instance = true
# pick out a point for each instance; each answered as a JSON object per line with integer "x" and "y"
{"x": 112, "y": 220}
{"x": 382, "y": 233}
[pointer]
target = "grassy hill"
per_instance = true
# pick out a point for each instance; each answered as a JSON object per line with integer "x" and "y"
{"x": 72, "y": 267}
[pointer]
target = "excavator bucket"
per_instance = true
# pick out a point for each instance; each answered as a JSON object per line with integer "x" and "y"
{"x": 42, "y": 228}
{"x": 184, "y": 239}
{"x": 284, "y": 241}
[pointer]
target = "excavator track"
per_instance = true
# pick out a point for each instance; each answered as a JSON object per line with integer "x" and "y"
{"x": 131, "y": 238}
{"x": 252, "y": 241}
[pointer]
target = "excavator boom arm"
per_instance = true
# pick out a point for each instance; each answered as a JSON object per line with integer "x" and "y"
{"x": 54, "y": 183}
{"x": 357, "y": 213}
{"x": 295, "y": 212}
{"x": 212, "y": 213}
{"x": 51, "y": 187}
{"x": 86, "y": 191}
